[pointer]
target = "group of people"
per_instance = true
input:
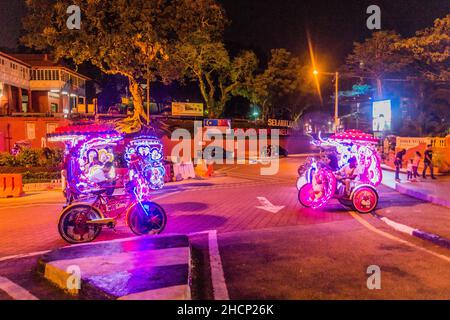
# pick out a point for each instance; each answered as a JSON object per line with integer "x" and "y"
{"x": 413, "y": 164}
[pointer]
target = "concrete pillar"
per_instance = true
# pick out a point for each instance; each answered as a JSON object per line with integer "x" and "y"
{"x": 30, "y": 102}
{"x": 10, "y": 108}
{"x": 19, "y": 99}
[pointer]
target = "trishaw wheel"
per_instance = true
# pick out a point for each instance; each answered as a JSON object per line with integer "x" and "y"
{"x": 365, "y": 200}
{"x": 73, "y": 226}
{"x": 305, "y": 195}
{"x": 147, "y": 217}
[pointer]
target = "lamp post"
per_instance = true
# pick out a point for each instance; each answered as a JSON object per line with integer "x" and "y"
{"x": 336, "y": 95}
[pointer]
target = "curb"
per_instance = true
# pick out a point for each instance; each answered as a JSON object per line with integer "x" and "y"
{"x": 427, "y": 236}
{"x": 418, "y": 195}
{"x": 141, "y": 268}
{"x": 422, "y": 196}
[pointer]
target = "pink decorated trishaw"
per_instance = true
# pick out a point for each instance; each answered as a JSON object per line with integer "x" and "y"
{"x": 348, "y": 169}
{"x": 98, "y": 193}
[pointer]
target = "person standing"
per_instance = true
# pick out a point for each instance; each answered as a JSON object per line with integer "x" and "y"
{"x": 409, "y": 170}
{"x": 416, "y": 163}
{"x": 398, "y": 163}
{"x": 428, "y": 162}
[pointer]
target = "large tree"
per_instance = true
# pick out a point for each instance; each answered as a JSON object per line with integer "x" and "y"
{"x": 201, "y": 55}
{"x": 376, "y": 58}
{"x": 218, "y": 76}
{"x": 284, "y": 81}
{"x": 431, "y": 50}
{"x": 124, "y": 37}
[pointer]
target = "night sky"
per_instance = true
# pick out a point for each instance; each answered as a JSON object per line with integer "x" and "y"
{"x": 264, "y": 24}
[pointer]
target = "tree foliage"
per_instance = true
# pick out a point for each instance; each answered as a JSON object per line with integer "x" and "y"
{"x": 218, "y": 75}
{"x": 284, "y": 77}
{"x": 201, "y": 56}
{"x": 431, "y": 49}
{"x": 376, "y": 58}
{"x": 125, "y": 37}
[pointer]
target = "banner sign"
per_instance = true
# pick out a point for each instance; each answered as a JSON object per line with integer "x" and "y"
{"x": 187, "y": 109}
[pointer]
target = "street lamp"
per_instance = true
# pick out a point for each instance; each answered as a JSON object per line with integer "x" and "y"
{"x": 336, "y": 97}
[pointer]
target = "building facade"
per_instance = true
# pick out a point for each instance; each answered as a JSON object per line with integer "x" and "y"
{"x": 15, "y": 90}
{"x": 55, "y": 89}
{"x": 36, "y": 96}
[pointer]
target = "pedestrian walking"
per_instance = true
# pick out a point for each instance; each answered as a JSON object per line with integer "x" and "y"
{"x": 398, "y": 163}
{"x": 416, "y": 164}
{"x": 428, "y": 162}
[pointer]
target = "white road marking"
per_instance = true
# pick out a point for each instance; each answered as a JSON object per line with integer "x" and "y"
{"x": 398, "y": 226}
{"x": 268, "y": 206}
{"x": 32, "y": 205}
{"x": 220, "y": 290}
{"x": 15, "y": 291}
{"x": 23, "y": 255}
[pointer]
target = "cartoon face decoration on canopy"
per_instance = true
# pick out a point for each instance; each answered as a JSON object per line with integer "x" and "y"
{"x": 147, "y": 151}
{"x": 91, "y": 156}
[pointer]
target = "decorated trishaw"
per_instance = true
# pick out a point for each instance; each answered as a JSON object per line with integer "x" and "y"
{"x": 347, "y": 169}
{"x": 97, "y": 195}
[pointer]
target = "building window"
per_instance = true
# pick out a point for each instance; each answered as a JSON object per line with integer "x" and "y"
{"x": 55, "y": 75}
{"x": 31, "y": 130}
{"x": 51, "y": 127}
{"x": 53, "y": 107}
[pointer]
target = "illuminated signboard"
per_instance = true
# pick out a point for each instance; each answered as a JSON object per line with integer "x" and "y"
{"x": 187, "y": 109}
{"x": 280, "y": 123}
{"x": 381, "y": 116}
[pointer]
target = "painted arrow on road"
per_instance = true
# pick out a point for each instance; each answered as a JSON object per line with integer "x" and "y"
{"x": 268, "y": 206}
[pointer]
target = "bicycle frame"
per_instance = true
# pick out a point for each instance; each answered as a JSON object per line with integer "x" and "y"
{"x": 110, "y": 208}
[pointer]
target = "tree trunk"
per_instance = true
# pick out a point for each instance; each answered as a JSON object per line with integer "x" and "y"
{"x": 133, "y": 123}
{"x": 379, "y": 88}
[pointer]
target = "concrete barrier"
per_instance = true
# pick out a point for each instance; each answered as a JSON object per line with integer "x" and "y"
{"x": 11, "y": 185}
{"x": 184, "y": 170}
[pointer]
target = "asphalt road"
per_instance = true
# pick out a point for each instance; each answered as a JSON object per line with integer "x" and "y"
{"x": 270, "y": 246}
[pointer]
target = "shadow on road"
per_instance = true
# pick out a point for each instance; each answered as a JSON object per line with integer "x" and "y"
{"x": 195, "y": 223}
{"x": 185, "y": 206}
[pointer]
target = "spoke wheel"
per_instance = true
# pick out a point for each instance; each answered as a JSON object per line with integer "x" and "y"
{"x": 73, "y": 226}
{"x": 147, "y": 218}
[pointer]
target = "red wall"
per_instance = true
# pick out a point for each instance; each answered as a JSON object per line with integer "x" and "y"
{"x": 13, "y": 129}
